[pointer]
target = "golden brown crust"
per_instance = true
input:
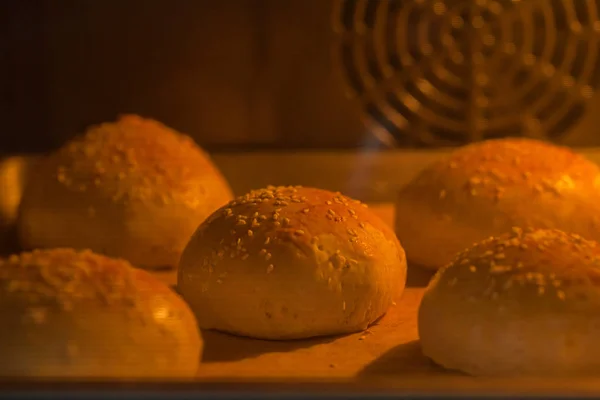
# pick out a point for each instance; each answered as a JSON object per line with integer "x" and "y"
{"x": 291, "y": 262}
{"x": 75, "y": 313}
{"x": 133, "y": 189}
{"x": 520, "y": 303}
{"x": 484, "y": 189}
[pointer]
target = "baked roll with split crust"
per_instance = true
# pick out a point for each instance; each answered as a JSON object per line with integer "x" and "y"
{"x": 524, "y": 303}
{"x": 133, "y": 189}
{"x": 289, "y": 263}
{"x": 78, "y": 314}
{"x": 486, "y": 188}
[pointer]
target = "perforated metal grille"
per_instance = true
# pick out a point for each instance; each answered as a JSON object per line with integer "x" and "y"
{"x": 455, "y": 71}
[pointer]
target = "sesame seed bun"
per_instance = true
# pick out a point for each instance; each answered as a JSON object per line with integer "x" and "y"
{"x": 291, "y": 262}
{"x": 133, "y": 189}
{"x": 77, "y": 314}
{"x": 526, "y": 302}
{"x": 486, "y": 188}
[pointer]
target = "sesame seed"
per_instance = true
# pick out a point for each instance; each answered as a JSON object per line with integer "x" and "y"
{"x": 268, "y": 256}
{"x": 250, "y": 233}
{"x": 299, "y": 232}
{"x": 267, "y": 240}
{"x": 305, "y": 211}
{"x": 472, "y": 268}
{"x": 270, "y": 268}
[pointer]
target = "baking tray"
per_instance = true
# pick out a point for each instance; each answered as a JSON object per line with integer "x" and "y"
{"x": 384, "y": 362}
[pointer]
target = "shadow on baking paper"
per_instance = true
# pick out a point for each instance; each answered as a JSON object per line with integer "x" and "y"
{"x": 8, "y": 241}
{"x": 219, "y": 347}
{"x": 418, "y": 276}
{"x": 403, "y": 359}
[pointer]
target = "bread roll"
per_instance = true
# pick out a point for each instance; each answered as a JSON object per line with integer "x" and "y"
{"x": 133, "y": 189}
{"x": 486, "y": 188}
{"x": 14, "y": 172}
{"x": 291, "y": 262}
{"x": 77, "y": 314}
{"x": 524, "y": 303}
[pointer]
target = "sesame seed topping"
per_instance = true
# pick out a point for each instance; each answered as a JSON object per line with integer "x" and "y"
{"x": 67, "y": 276}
